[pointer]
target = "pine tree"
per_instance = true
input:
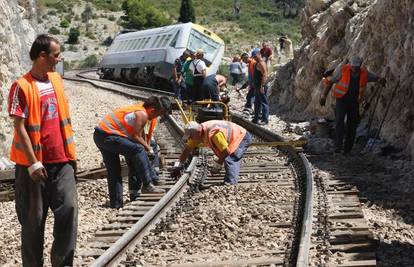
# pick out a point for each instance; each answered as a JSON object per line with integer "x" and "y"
{"x": 187, "y": 13}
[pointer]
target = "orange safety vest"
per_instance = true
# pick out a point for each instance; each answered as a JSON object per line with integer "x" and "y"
{"x": 33, "y": 122}
{"x": 341, "y": 87}
{"x": 233, "y": 133}
{"x": 122, "y": 122}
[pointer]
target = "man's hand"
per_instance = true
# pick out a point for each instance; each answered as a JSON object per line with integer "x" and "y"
{"x": 262, "y": 91}
{"x": 151, "y": 153}
{"x": 39, "y": 175}
{"x": 176, "y": 172}
{"x": 216, "y": 167}
{"x": 322, "y": 101}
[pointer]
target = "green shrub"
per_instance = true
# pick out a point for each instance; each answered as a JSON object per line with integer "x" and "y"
{"x": 67, "y": 65}
{"x": 52, "y": 12}
{"x": 142, "y": 14}
{"x": 73, "y": 48}
{"x": 73, "y": 36}
{"x": 105, "y": 27}
{"x": 108, "y": 41}
{"x": 64, "y": 23}
{"x": 89, "y": 62}
{"x": 111, "y": 18}
{"x": 90, "y": 35}
{"x": 53, "y": 30}
{"x": 62, "y": 48}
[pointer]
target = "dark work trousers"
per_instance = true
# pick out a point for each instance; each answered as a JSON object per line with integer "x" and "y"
{"x": 210, "y": 88}
{"x": 135, "y": 179}
{"x": 233, "y": 161}
{"x": 261, "y": 105}
{"x": 197, "y": 89}
{"x": 111, "y": 146}
{"x": 350, "y": 110}
{"x": 33, "y": 199}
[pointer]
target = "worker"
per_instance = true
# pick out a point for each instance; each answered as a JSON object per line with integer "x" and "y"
{"x": 261, "y": 101}
{"x": 188, "y": 78}
{"x": 44, "y": 152}
{"x": 122, "y": 133}
{"x": 350, "y": 84}
{"x": 199, "y": 70}
{"x": 178, "y": 80}
{"x": 212, "y": 85}
{"x": 236, "y": 72}
{"x": 228, "y": 141}
{"x": 249, "y": 83}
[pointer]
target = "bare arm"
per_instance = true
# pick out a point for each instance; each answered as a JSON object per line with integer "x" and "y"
{"x": 175, "y": 74}
{"x": 186, "y": 153}
{"x": 140, "y": 121}
{"x": 26, "y": 143}
{"x": 262, "y": 68}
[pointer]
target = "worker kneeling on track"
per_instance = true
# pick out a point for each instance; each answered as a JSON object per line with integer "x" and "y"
{"x": 228, "y": 141}
{"x": 122, "y": 133}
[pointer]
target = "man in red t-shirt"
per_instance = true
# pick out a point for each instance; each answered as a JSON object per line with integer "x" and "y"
{"x": 44, "y": 179}
{"x": 266, "y": 52}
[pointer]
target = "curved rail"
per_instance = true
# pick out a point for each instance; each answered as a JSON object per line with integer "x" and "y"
{"x": 301, "y": 163}
{"x": 299, "y": 255}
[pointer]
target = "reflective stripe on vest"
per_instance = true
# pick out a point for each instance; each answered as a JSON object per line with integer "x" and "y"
{"x": 342, "y": 86}
{"x": 116, "y": 122}
{"x": 233, "y": 133}
{"x": 33, "y": 122}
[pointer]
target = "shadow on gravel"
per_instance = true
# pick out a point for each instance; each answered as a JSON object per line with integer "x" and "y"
{"x": 395, "y": 254}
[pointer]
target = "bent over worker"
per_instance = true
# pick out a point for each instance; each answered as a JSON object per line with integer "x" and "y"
{"x": 44, "y": 152}
{"x": 350, "y": 84}
{"x": 228, "y": 141}
{"x": 122, "y": 133}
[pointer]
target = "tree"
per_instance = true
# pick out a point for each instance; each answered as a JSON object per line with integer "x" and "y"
{"x": 73, "y": 36}
{"x": 187, "y": 13}
{"x": 141, "y": 14}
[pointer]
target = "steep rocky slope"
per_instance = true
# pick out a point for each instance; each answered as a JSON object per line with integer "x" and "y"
{"x": 17, "y": 20}
{"x": 381, "y": 32}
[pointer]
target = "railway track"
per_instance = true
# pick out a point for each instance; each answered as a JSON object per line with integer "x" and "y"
{"x": 340, "y": 230}
{"x": 282, "y": 169}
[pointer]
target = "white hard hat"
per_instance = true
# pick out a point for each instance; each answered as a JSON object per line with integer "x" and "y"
{"x": 190, "y": 128}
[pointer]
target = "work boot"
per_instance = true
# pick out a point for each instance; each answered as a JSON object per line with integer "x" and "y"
{"x": 158, "y": 182}
{"x": 150, "y": 188}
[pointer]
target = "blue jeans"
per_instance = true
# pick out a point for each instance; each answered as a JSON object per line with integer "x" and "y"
{"x": 249, "y": 98}
{"x": 111, "y": 146}
{"x": 135, "y": 180}
{"x": 261, "y": 105}
{"x": 232, "y": 162}
{"x": 179, "y": 89}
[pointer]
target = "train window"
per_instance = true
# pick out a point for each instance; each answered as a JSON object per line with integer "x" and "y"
{"x": 198, "y": 40}
{"x": 161, "y": 41}
{"x": 154, "y": 44}
{"x": 137, "y": 44}
{"x": 174, "y": 41}
{"x": 129, "y": 45}
{"x": 166, "y": 40}
{"x": 134, "y": 44}
{"x": 121, "y": 46}
{"x": 146, "y": 42}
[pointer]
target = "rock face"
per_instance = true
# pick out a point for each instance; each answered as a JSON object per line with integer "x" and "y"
{"x": 382, "y": 33}
{"x": 17, "y": 21}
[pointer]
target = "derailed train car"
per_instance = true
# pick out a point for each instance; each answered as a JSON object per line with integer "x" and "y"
{"x": 147, "y": 57}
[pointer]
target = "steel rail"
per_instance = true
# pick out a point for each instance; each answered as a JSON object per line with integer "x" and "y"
{"x": 301, "y": 253}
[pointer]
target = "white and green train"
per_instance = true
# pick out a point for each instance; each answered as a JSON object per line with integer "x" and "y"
{"x": 147, "y": 57}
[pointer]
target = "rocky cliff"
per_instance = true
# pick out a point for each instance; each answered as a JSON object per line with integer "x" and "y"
{"x": 382, "y": 33}
{"x": 17, "y": 32}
